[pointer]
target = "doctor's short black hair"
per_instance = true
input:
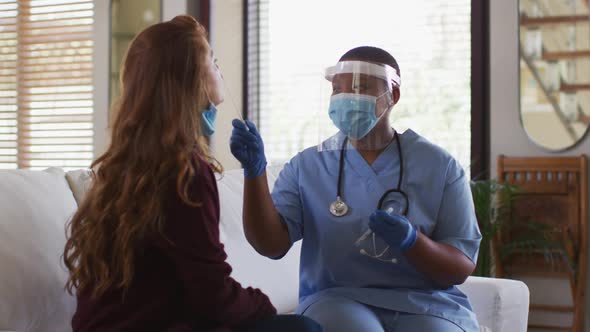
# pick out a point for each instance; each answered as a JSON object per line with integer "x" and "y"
{"x": 372, "y": 54}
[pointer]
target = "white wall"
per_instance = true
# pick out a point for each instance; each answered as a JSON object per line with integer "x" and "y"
{"x": 101, "y": 63}
{"x": 226, "y": 41}
{"x": 101, "y": 35}
{"x": 171, "y": 8}
{"x": 507, "y": 136}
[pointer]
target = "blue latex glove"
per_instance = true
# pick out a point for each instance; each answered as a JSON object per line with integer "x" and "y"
{"x": 246, "y": 145}
{"x": 395, "y": 229}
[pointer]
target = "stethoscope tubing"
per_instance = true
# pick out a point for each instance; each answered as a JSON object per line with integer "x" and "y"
{"x": 389, "y": 191}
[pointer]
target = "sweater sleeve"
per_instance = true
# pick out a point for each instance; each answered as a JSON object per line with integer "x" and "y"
{"x": 199, "y": 259}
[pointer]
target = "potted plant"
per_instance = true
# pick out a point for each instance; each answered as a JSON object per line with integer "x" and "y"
{"x": 492, "y": 201}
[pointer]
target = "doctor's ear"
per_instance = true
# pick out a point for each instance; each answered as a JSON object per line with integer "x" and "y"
{"x": 396, "y": 95}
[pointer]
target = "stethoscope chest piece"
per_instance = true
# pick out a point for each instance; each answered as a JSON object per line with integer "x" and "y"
{"x": 338, "y": 208}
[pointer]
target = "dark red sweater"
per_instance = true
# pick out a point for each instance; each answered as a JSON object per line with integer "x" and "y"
{"x": 181, "y": 287}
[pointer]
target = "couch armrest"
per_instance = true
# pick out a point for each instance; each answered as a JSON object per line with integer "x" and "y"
{"x": 500, "y": 304}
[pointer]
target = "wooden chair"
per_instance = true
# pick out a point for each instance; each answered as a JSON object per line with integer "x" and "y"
{"x": 552, "y": 191}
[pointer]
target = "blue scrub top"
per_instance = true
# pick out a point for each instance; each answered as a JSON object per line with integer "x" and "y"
{"x": 440, "y": 205}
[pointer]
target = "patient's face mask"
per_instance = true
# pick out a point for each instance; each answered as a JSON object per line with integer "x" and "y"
{"x": 214, "y": 91}
{"x": 208, "y": 120}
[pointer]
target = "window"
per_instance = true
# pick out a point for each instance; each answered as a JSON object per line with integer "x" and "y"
{"x": 291, "y": 42}
{"x": 46, "y": 88}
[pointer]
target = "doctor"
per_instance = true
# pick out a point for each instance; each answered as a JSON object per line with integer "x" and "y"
{"x": 386, "y": 218}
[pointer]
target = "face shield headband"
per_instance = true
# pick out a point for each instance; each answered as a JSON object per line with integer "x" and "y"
{"x": 381, "y": 71}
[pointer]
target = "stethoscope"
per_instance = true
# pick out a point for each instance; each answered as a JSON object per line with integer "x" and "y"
{"x": 339, "y": 208}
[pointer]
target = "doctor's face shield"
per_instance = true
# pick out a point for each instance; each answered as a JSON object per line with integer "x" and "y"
{"x": 361, "y": 94}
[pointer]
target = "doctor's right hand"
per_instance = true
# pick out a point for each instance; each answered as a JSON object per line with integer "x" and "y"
{"x": 246, "y": 145}
{"x": 395, "y": 229}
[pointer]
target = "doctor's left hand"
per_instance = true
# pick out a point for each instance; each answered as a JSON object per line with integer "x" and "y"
{"x": 395, "y": 229}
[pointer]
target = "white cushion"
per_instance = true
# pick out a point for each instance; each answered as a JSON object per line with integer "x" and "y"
{"x": 279, "y": 279}
{"x": 501, "y": 305}
{"x": 79, "y": 181}
{"x": 34, "y": 208}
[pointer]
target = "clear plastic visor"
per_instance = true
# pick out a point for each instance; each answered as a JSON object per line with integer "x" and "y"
{"x": 363, "y": 68}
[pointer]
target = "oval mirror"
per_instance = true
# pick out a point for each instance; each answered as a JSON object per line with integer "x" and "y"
{"x": 554, "y": 57}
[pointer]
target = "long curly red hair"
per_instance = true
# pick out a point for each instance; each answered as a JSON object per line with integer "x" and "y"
{"x": 155, "y": 137}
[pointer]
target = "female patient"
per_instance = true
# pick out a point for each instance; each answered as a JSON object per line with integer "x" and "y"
{"x": 144, "y": 251}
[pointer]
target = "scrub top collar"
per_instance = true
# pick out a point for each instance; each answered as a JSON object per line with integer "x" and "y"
{"x": 387, "y": 161}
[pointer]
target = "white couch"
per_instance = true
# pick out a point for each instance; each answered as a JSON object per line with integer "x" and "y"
{"x": 35, "y": 205}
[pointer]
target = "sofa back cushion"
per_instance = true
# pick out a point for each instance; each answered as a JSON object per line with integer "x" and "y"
{"x": 34, "y": 207}
{"x": 279, "y": 279}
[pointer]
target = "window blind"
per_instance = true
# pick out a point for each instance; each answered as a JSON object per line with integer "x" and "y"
{"x": 8, "y": 57}
{"x": 291, "y": 42}
{"x": 51, "y": 111}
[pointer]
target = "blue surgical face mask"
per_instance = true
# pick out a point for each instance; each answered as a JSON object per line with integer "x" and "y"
{"x": 208, "y": 120}
{"x": 353, "y": 114}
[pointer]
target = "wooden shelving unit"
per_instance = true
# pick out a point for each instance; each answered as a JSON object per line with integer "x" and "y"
{"x": 565, "y": 55}
{"x": 565, "y": 87}
{"x": 526, "y": 21}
